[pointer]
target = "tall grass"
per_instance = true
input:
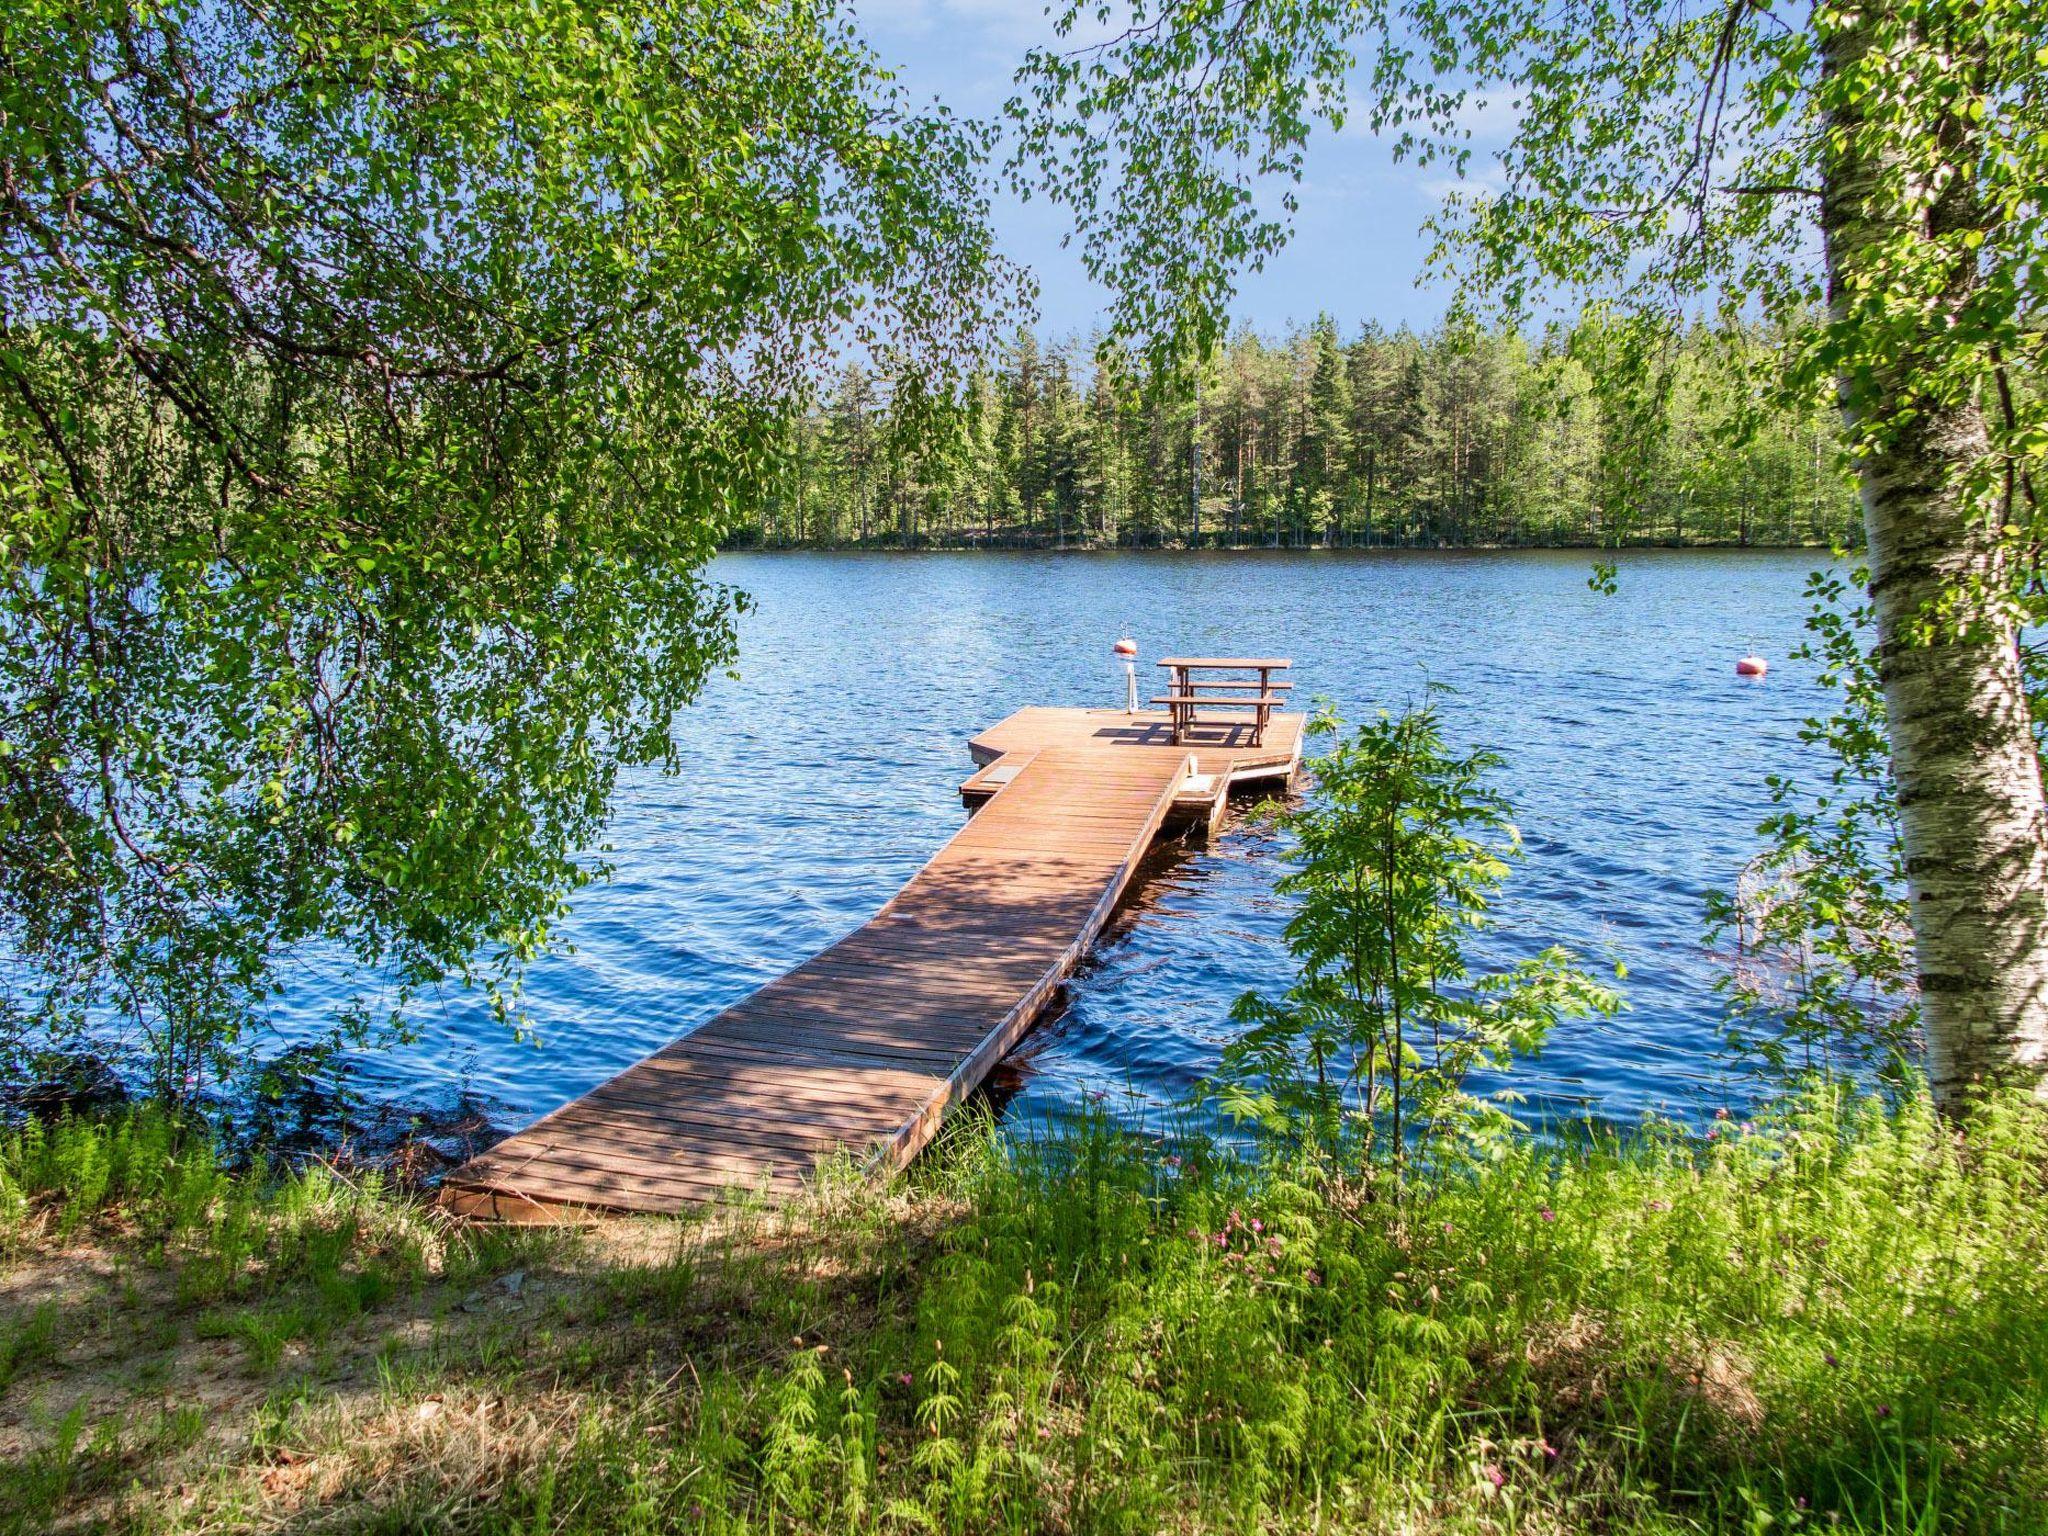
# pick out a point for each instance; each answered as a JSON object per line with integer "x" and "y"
{"x": 1834, "y": 1318}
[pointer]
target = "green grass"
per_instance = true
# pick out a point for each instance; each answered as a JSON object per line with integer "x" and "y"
{"x": 1835, "y": 1321}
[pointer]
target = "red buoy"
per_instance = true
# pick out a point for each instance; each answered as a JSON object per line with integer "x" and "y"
{"x": 1752, "y": 666}
{"x": 1125, "y": 647}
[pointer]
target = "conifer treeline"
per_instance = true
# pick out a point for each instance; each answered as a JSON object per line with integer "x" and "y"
{"x": 1387, "y": 438}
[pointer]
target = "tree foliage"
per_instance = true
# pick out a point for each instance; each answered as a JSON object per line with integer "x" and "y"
{"x": 1455, "y": 436}
{"x": 374, "y": 380}
{"x": 1667, "y": 158}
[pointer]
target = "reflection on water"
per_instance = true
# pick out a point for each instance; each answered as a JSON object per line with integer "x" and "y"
{"x": 816, "y": 783}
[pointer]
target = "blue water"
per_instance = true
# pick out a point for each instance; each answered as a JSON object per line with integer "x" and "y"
{"x": 820, "y": 778}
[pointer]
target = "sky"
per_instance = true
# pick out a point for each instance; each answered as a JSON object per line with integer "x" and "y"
{"x": 1357, "y": 248}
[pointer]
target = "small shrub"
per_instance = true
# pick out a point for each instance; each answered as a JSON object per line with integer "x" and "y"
{"x": 1397, "y": 859}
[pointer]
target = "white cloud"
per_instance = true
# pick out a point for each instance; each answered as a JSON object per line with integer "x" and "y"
{"x": 1491, "y": 120}
{"x": 977, "y": 24}
{"x": 1483, "y": 122}
{"x": 997, "y": 31}
{"x": 1484, "y": 181}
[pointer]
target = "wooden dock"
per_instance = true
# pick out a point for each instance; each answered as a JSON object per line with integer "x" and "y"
{"x": 867, "y": 1045}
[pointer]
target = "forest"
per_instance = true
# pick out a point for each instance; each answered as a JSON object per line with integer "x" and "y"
{"x": 1457, "y": 436}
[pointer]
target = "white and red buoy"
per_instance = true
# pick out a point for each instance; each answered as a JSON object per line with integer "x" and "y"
{"x": 1751, "y": 665}
{"x": 1126, "y": 651}
{"x": 1126, "y": 647}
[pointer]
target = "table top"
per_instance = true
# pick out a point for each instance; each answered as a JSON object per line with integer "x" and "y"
{"x": 1264, "y": 663}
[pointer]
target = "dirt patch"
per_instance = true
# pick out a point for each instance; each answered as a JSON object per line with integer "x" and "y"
{"x": 439, "y": 1389}
{"x": 1577, "y": 1365}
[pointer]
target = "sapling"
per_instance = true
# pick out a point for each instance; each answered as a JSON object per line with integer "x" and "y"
{"x": 1397, "y": 857}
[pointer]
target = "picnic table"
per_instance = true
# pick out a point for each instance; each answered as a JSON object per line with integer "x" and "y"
{"x": 1186, "y": 692}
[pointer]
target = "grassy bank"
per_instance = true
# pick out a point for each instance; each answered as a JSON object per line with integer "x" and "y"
{"x": 1822, "y": 1321}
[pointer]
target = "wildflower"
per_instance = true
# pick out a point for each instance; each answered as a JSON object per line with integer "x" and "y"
{"x": 1315, "y": 1277}
{"x": 1748, "y": 1126}
{"x": 1829, "y": 1356}
{"x": 1258, "y": 1225}
{"x": 905, "y": 1377}
{"x": 1547, "y": 1214}
{"x": 1222, "y": 1239}
{"x": 1713, "y": 1135}
{"x": 1884, "y": 1410}
{"x": 1721, "y": 1114}
{"x": 1549, "y": 1451}
{"x": 1494, "y": 1475}
{"x": 1172, "y": 1162}
{"x": 1660, "y": 1205}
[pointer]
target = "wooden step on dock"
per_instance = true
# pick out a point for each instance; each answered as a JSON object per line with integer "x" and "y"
{"x": 867, "y": 1045}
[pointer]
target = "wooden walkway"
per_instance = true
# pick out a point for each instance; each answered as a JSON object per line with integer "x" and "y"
{"x": 865, "y": 1047}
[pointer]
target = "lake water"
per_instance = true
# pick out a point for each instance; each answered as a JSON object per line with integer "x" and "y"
{"x": 821, "y": 778}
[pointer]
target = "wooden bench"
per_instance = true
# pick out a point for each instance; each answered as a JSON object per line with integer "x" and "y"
{"x": 1186, "y": 692}
{"x": 1214, "y": 701}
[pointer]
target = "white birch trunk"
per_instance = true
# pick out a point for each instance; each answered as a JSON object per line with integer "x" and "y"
{"x": 1971, "y": 814}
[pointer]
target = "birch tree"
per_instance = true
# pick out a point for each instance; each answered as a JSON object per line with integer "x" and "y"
{"x": 1867, "y": 173}
{"x": 375, "y": 380}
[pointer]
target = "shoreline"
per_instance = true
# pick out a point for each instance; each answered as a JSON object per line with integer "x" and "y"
{"x": 1073, "y": 547}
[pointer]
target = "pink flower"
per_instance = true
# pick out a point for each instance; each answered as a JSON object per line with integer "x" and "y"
{"x": 1547, "y": 1214}
{"x": 1494, "y": 1475}
{"x": 1549, "y": 1450}
{"x": 905, "y": 1377}
{"x": 1720, "y": 1114}
{"x": 1660, "y": 1205}
{"x": 1258, "y": 1225}
{"x": 1315, "y": 1277}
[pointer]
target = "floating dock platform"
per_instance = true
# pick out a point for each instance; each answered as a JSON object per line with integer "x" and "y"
{"x": 865, "y": 1047}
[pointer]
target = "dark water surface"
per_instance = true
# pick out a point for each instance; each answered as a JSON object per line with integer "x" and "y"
{"x": 815, "y": 784}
